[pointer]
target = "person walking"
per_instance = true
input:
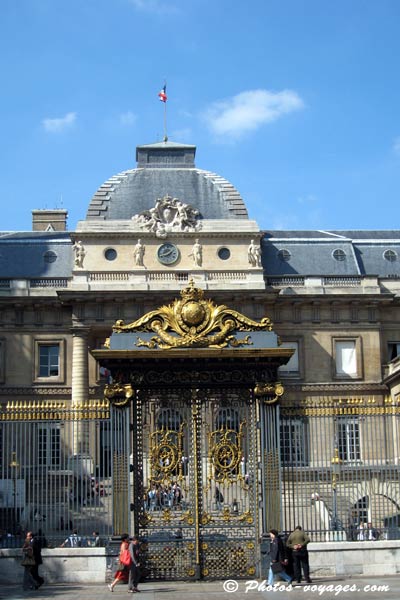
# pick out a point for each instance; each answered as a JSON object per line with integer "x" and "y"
{"x": 28, "y": 562}
{"x": 37, "y": 555}
{"x": 33, "y": 550}
{"x": 297, "y": 542}
{"x": 277, "y": 558}
{"x": 134, "y": 569}
{"x": 123, "y": 564}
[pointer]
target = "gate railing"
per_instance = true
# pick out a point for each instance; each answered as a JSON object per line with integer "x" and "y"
{"x": 56, "y": 468}
{"x": 340, "y": 467}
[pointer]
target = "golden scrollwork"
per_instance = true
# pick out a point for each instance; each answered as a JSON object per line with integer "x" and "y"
{"x": 192, "y": 322}
{"x": 225, "y": 453}
{"x": 118, "y": 394}
{"x": 270, "y": 392}
{"x": 187, "y": 517}
{"x": 167, "y": 515}
{"x": 166, "y": 448}
{"x": 247, "y": 517}
{"x": 206, "y": 518}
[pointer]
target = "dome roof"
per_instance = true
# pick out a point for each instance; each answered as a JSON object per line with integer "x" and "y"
{"x": 166, "y": 168}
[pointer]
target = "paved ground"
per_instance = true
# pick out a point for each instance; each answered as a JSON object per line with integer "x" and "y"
{"x": 349, "y": 589}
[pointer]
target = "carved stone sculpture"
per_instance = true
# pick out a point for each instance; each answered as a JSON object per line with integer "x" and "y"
{"x": 254, "y": 254}
{"x": 169, "y": 215}
{"x": 79, "y": 254}
{"x": 197, "y": 253}
{"x": 138, "y": 253}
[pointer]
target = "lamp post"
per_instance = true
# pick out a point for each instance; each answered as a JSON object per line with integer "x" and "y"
{"x": 336, "y": 467}
{"x": 14, "y": 466}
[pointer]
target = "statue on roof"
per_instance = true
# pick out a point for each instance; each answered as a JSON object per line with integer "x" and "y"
{"x": 169, "y": 215}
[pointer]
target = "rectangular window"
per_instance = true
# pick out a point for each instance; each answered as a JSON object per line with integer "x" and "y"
{"x": 393, "y": 350}
{"x": 348, "y": 430}
{"x": 294, "y": 442}
{"x": 2, "y": 360}
{"x": 292, "y": 366}
{"x": 347, "y": 358}
{"x": 49, "y": 360}
{"x": 49, "y": 446}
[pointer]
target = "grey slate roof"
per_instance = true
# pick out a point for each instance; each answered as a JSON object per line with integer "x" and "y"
{"x": 22, "y": 255}
{"x": 311, "y": 253}
{"x": 166, "y": 168}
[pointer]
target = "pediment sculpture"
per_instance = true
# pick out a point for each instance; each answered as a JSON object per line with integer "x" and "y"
{"x": 169, "y": 215}
{"x": 193, "y": 322}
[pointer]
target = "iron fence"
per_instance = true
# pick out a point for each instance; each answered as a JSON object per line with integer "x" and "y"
{"x": 340, "y": 467}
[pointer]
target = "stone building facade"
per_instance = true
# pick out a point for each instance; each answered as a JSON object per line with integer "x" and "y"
{"x": 325, "y": 452}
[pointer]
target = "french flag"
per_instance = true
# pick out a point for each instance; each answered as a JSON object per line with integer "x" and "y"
{"x": 163, "y": 94}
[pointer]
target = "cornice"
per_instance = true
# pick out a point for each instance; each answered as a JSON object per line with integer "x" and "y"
{"x": 42, "y": 391}
{"x": 371, "y": 388}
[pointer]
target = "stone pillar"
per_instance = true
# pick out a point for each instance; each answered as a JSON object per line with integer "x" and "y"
{"x": 80, "y": 369}
{"x": 80, "y": 383}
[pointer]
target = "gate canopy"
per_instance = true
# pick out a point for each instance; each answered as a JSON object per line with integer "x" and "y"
{"x": 194, "y": 327}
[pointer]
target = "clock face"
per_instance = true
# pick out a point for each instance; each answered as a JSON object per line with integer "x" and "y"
{"x": 168, "y": 254}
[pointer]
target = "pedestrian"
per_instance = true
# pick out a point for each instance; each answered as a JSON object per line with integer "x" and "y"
{"x": 73, "y": 540}
{"x": 96, "y": 541}
{"x": 124, "y": 562}
{"x": 134, "y": 569}
{"x": 33, "y": 558}
{"x": 28, "y": 562}
{"x": 37, "y": 555}
{"x": 362, "y": 531}
{"x": 278, "y": 559}
{"x": 371, "y": 533}
{"x": 298, "y": 541}
{"x": 219, "y": 499}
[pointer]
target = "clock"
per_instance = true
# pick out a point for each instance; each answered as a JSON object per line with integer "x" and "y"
{"x": 168, "y": 254}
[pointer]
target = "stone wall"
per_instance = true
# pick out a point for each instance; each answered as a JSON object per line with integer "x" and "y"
{"x": 60, "y": 565}
{"x": 354, "y": 558}
{"x": 89, "y": 565}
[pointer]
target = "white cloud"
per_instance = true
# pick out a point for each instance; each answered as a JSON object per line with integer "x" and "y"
{"x": 396, "y": 146}
{"x": 250, "y": 110}
{"x": 59, "y": 124}
{"x": 127, "y": 118}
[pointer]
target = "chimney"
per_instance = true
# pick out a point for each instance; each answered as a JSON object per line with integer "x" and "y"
{"x": 49, "y": 220}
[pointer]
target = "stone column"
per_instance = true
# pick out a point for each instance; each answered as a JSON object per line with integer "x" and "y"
{"x": 80, "y": 383}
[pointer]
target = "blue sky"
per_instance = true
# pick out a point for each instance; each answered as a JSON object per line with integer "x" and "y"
{"x": 296, "y": 102}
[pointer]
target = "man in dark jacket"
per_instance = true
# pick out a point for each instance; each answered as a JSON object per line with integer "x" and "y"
{"x": 134, "y": 569}
{"x": 298, "y": 541}
{"x": 277, "y": 558}
{"x": 37, "y": 555}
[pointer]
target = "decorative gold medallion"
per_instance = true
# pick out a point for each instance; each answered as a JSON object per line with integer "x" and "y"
{"x": 193, "y": 322}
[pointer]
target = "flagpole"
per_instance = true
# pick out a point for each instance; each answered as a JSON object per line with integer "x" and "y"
{"x": 165, "y": 114}
{"x": 165, "y": 122}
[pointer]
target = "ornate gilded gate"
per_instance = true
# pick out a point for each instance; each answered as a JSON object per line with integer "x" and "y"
{"x": 197, "y": 391}
{"x": 197, "y": 509}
